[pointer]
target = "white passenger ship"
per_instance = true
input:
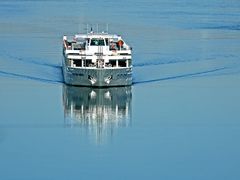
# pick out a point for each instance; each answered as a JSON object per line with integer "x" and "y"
{"x": 97, "y": 59}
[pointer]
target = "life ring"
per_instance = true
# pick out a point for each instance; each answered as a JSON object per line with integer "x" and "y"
{"x": 120, "y": 43}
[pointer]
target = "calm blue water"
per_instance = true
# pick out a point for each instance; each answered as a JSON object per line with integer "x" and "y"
{"x": 180, "y": 119}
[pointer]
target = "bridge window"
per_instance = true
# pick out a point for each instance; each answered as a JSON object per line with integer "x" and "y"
{"x": 97, "y": 42}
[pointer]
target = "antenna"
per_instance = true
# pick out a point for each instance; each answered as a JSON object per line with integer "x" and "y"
{"x": 97, "y": 28}
{"x": 87, "y": 28}
{"x": 107, "y": 27}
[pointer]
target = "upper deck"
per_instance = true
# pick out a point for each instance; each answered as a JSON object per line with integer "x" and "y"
{"x": 92, "y": 43}
{"x": 94, "y": 50}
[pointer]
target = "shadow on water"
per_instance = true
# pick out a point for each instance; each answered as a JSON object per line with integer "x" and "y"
{"x": 99, "y": 111}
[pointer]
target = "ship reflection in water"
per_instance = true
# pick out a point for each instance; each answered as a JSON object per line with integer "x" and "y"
{"x": 100, "y": 111}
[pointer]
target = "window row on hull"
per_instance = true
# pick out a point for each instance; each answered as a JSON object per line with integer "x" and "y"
{"x": 99, "y": 63}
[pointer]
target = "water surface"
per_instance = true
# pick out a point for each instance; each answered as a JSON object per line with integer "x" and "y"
{"x": 179, "y": 120}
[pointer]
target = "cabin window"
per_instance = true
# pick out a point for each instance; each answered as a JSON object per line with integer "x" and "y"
{"x": 112, "y": 63}
{"x": 78, "y": 63}
{"x": 97, "y": 42}
{"x": 88, "y": 62}
{"x": 122, "y": 63}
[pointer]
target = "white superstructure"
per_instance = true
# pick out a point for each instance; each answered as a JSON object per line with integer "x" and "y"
{"x": 107, "y": 57}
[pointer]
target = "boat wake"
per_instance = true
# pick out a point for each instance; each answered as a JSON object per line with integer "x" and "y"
{"x": 180, "y": 76}
{"x": 22, "y": 76}
{"x": 164, "y": 61}
{"x": 41, "y": 62}
{"x": 31, "y": 69}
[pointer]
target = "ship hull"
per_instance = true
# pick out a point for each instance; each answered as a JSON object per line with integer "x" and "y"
{"x": 97, "y": 77}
